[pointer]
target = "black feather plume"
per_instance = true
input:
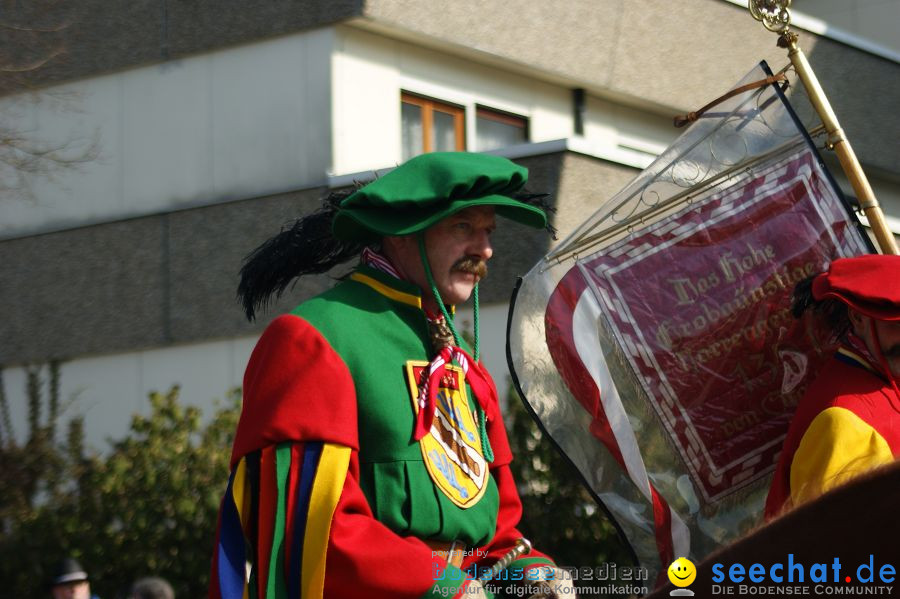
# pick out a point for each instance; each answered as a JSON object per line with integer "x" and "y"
{"x": 538, "y": 200}
{"x": 307, "y": 247}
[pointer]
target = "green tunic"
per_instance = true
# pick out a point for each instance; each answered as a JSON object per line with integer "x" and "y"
{"x": 375, "y": 323}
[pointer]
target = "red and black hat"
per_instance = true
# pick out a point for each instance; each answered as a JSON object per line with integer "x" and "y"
{"x": 869, "y": 284}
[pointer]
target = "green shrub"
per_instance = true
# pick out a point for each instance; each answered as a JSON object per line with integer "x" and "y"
{"x": 149, "y": 506}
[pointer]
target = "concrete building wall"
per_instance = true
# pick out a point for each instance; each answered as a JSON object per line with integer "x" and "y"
{"x": 370, "y": 72}
{"x": 136, "y": 284}
{"x": 107, "y": 390}
{"x": 873, "y": 20}
{"x": 652, "y": 53}
{"x": 628, "y": 128}
{"x": 269, "y": 117}
{"x": 243, "y": 122}
{"x": 88, "y": 37}
{"x": 667, "y": 58}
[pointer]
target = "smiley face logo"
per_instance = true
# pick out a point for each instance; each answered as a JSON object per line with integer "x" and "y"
{"x": 682, "y": 572}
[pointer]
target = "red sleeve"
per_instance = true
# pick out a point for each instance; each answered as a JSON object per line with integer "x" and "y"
{"x": 366, "y": 559}
{"x": 296, "y": 388}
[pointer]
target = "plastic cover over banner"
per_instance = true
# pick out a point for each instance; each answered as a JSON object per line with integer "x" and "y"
{"x": 655, "y": 345}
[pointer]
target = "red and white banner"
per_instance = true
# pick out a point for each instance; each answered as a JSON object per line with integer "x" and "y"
{"x": 676, "y": 344}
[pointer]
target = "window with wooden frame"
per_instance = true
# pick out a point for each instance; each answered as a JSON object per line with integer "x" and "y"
{"x": 431, "y": 126}
{"x": 498, "y": 129}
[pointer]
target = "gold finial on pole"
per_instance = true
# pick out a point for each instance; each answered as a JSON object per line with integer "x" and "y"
{"x": 775, "y": 16}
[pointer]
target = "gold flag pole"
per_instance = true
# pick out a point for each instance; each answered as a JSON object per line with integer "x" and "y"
{"x": 776, "y": 17}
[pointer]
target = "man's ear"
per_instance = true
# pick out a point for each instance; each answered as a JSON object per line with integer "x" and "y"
{"x": 403, "y": 252}
{"x": 387, "y": 244}
{"x": 858, "y": 321}
{"x": 394, "y": 245}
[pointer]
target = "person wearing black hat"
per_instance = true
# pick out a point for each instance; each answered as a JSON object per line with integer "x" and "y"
{"x": 70, "y": 581}
{"x": 371, "y": 459}
{"x": 848, "y": 422}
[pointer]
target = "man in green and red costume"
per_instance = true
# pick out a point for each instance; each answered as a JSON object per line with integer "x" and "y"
{"x": 371, "y": 459}
{"x": 848, "y": 422}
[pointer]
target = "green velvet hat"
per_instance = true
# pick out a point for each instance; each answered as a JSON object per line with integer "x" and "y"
{"x": 431, "y": 187}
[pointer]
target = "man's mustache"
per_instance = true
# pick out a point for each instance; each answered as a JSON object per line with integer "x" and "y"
{"x": 471, "y": 265}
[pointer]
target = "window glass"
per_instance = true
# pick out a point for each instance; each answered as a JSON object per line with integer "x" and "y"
{"x": 430, "y": 125}
{"x": 444, "y": 132}
{"x": 495, "y": 129}
{"x": 413, "y": 134}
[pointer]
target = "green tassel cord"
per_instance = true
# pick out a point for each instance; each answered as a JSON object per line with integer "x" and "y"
{"x": 482, "y": 420}
{"x": 482, "y": 429}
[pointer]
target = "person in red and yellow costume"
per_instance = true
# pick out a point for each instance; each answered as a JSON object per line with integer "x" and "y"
{"x": 371, "y": 459}
{"x": 848, "y": 422}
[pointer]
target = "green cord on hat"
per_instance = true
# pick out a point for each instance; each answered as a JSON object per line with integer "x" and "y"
{"x": 434, "y": 290}
{"x": 482, "y": 417}
{"x": 475, "y": 292}
{"x": 440, "y": 302}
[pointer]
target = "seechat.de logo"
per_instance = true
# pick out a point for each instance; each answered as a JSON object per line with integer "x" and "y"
{"x": 793, "y": 577}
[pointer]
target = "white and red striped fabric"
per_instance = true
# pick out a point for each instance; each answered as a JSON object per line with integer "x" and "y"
{"x": 703, "y": 480}
{"x": 474, "y": 374}
{"x": 370, "y": 257}
{"x": 570, "y": 321}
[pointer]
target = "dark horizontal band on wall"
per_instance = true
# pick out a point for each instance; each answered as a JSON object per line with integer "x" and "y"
{"x": 169, "y": 279}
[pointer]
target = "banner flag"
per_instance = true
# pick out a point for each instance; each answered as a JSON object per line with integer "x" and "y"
{"x": 655, "y": 345}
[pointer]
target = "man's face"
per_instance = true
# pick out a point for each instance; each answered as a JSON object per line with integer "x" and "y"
{"x": 458, "y": 249}
{"x": 72, "y": 590}
{"x": 888, "y": 338}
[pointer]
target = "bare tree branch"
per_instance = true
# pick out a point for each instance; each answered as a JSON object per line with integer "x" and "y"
{"x": 31, "y": 38}
{"x": 33, "y": 65}
{"x": 34, "y": 29}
